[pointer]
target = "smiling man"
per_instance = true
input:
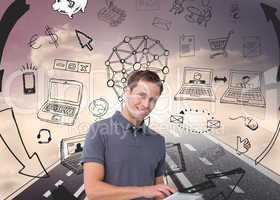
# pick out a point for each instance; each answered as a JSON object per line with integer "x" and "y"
{"x": 123, "y": 158}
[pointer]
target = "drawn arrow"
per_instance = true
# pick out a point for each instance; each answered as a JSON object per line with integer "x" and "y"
{"x": 11, "y": 136}
{"x": 220, "y": 79}
{"x": 270, "y": 14}
{"x": 16, "y": 10}
{"x": 84, "y": 40}
{"x": 269, "y": 146}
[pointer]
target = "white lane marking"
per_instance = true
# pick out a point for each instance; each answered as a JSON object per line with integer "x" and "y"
{"x": 58, "y": 183}
{"x": 47, "y": 194}
{"x": 205, "y": 161}
{"x": 79, "y": 191}
{"x": 237, "y": 189}
{"x": 222, "y": 177}
{"x": 69, "y": 173}
{"x": 190, "y": 147}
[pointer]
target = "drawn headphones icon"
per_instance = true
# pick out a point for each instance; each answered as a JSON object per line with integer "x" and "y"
{"x": 39, "y": 136}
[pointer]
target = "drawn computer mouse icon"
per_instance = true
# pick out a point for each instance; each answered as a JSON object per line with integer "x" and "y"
{"x": 69, "y": 7}
{"x": 251, "y": 123}
{"x": 248, "y": 122}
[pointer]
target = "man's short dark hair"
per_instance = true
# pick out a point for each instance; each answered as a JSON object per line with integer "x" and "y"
{"x": 144, "y": 75}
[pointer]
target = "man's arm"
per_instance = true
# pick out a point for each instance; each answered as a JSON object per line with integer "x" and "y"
{"x": 97, "y": 189}
{"x": 159, "y": 180}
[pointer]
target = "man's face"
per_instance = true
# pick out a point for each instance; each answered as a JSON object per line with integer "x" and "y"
{"x": 142, "y": 99}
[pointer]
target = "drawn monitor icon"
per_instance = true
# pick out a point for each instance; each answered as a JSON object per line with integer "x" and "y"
{"x": 245, "y": 89}
{"x": 63, "y": 103}
{"x": 197, "y": 85}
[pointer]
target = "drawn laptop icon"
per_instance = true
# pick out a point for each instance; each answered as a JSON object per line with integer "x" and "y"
{"x": 244, "y": 88}
{"x": 63, "y": 103}
{"x": 71, "y": 153}
{"x": 197, "y": 85}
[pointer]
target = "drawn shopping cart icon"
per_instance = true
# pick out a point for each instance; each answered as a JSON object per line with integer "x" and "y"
{"x": 218, "y": 45}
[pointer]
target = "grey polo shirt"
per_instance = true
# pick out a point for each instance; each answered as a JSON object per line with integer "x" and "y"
{"x": 131, "y": 156}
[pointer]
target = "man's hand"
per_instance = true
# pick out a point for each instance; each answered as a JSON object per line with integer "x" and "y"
{"x": 160, "y": 191}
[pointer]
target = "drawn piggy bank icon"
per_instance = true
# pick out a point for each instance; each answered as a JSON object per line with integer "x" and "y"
{"x": 69, "y": 7}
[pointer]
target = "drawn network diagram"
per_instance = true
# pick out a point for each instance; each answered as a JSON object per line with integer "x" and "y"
{"x": 133, "y": 54}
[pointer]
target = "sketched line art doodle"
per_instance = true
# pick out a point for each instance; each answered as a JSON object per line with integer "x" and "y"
{"x": 13, "y": 13}
{"x": 99, "y": 107}
{"x": 201, "y": 16}
{"x": 242, "y": 145}
{"x": 162, "y": 24}
{"x": 216, "y": 79}
{"x": 248, "y": 122}
{"x": 53, "y": 36}
{"x": 270, "y": 14}
{"x": 50, "y": 33}
{"x": 111, "y": 14}
{"x": 209, "y": 183}
{"x": 72, "y": 66}
{"x": 133, "y": 54}
{"x": 218, "y": 45}
{"x": 213, "y": 123}
{"x": 84, "y": 40}
{"x": 177, "y": 7}
{"x": 187, "y": 45}
{"x": 1, "y": 78}
{"x": 28, "y": 78}
{"x": 269, "y": 146}
{"x": 251, "y": 46}
{"x": 234, "y": 12}
{"x": 237, "y": 171}
{"x": 195, "y": 121}
{"x": 44, "y": 131}
{"x": 32, "y": 42}
{"x": 176, "y": 119}
{"x": 71, "y": 153}
{"x": 63, "y": 103}
{"x": 147, "y": 5}
{"x": 69, "y": 7}
{"x": 16, "y": 145}
{"x": 196, "y": 85}
{"x": 174, "y": 150}
{"x": 244, "y": 88}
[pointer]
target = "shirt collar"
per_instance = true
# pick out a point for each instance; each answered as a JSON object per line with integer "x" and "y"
{"x": 127, "y": 125}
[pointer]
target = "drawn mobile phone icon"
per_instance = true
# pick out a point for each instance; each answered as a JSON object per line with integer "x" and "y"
{"x": 28, "y": 82}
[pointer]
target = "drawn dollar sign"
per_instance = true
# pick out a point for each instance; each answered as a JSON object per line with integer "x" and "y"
{"x": 33, "y": 40}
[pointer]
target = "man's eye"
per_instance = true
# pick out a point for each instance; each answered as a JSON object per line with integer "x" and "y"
{"x": 142, "y": 95}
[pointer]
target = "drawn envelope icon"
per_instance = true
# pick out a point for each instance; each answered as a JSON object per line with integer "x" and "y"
{"x": 176, "y": 119}
{"x": 213, "y": 123}
{"x": 162, "y": 23}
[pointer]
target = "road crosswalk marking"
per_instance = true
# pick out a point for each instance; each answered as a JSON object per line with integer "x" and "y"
{"x": 205, "y": 161}
{"x": 190, "y": 147}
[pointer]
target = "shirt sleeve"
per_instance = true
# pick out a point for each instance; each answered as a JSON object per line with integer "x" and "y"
{"x": 94, "y": 147}
{"x": 161, "y": 165}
